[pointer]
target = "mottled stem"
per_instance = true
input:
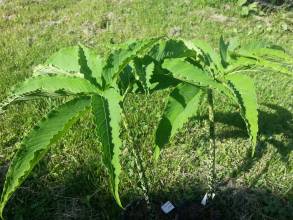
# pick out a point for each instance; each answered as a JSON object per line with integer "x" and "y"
{"x": 212, "y": 136}
{"x": 138, "y": 163}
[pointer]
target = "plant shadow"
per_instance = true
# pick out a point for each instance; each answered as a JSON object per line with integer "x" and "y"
{"x": 275, "y": 122}
{"x": 230, "y": 202}
{"x": 76, "y": 199}
{"x": 80, "y": 197}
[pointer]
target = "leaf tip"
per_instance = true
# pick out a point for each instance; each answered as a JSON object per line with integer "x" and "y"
{"x": 156, "y": 154}
{"x": 254, "y": 144}
{"x": 118, "y": 201}
{"x": 1, "y": 211}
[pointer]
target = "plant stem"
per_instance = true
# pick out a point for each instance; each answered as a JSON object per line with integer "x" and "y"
{"x": 212, "y": 136}
{"x": 138, "y": 163}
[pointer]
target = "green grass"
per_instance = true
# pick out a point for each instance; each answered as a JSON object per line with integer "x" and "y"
{"x": 71, "y": 182}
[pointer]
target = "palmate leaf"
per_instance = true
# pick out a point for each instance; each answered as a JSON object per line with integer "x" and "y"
{"x": 212, "y": 59}
{"x": 36, "y": 144}
{"x": 79, "y": 59}
{"x": 144, "y": 70}
{"x": 182, "y": 104}
{"x": 50, "y": 70}
{"x": 66, "y": 59}
{"x": 149, "y": 70}
{"x": 49, "y": 85}
{"x": 223, "y": 51}
{"x": 241, "y": 63}
{"x": 107, "y": 113}
{"x": 119, "y": 58}
{"x": 173, "y": 49}
{"x": 243, "y": 89}
{"x": 161, "y": 79}
{"x": 241, "y": 2}
{"x": 261, "y": 55}
{"x": 150, "y": 76}
{"x": 187, "y": 72}
{"x": 273, "y": 54}
{"x": 91, "y": 65}
{"x": 126, "y": 80}
{"x": 275, "y": 66}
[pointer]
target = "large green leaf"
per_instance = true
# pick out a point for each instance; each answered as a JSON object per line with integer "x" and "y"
{"x": 240, "y": 63}
{"x": 273, "y": 53}
{"x": 149, "y": 71}
{"x": 119, "y": 58}
{"x": 48, "y": 69}
{"x": 243, "y": 89}
{"x": 275, "y": 66}
{"x": 241, "y": 2}
{"x": 213, "y": 60}
{"x": 66, "y": 59}
{"x": 182, "y": 104}
{"x": 52, "y": 84}
{"x": 36, "y": 144}
{"x": 185, "y": 71}
{"x": 223, "y": 51}
{"x": 161, "y": 79}
{"x": 91, "y": 65}
{"x": 173, "y": 49}
{"x": 79, "y": 59}
{"x": 126, "y": 80}
{"x": 107, "y": 112}
{"x": 261, "y": 56}
{"x": 150, "y": 76}
{"x": 192, "y": 74}
{"x": 144, "y": 70}
{"x": 49, "y": 85}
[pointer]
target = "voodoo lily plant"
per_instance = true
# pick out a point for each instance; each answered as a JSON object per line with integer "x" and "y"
{"x": 190, "y": 69}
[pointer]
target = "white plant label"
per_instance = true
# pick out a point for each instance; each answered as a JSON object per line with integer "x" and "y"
{"x": 213, "y": 195}
{"x": 167, "y": 207}
{"x": 204, "y": 200}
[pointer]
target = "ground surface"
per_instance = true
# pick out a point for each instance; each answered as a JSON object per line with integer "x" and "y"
{"x": 70, "y": 183}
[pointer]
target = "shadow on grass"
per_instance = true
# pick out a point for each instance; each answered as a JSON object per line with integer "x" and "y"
{"x": 230, "y": 202}
{"x": 69, "y": 201}
{"x": 278, "y": 121}
{"x": 79, "y": 198}
{"x": 270, "y": 123}
{"x": 74, "y": 198}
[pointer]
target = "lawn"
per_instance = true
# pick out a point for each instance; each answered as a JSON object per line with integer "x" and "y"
{"x": 71, "y": 182}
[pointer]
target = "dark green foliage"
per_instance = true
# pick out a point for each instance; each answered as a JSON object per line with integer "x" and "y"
{"x": 189, "y": 68}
